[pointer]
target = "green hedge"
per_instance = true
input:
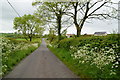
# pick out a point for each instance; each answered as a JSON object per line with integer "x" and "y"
{"x": 95, "y": 41}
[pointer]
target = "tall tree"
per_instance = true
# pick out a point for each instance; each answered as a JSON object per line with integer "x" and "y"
{"x": 54, "y": 11}
{"x": 28, "y": 25}
{"x": 90, "y": 9}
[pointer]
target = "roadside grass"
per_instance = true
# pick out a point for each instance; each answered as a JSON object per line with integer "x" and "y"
{"x": 64, "y": 56}
{"x": 15, "y": 58}
{"x": 13, "y": 51}
{"x": 21, "y": 39}
{"x": 84, "y": 70}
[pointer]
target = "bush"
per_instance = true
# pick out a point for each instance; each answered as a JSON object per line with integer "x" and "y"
{"x": 51, "y": 38}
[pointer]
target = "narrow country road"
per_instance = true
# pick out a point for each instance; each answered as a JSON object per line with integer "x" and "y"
{"x": 42, "y": 63}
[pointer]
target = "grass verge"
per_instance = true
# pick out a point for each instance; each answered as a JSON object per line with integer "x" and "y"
{"x": 72, "y": 64}
{"x": 13, "y": 51}
{"x": 84, "y": 70}
{"x": 15, "y": 58}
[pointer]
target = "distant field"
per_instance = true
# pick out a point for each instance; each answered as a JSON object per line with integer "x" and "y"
{"x": 33, "y": 40}
{"x": 18, "y": 37}
{"x": 21, "y": 39}
{"x": 7, "y": 35}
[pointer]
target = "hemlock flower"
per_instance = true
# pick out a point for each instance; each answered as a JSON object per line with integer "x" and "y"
{"x": 101, "y": 58}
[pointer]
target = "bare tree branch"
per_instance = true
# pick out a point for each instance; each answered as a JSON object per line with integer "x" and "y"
{"x": 66, "y": 20}
{"x": 97, "y": 8}
{"x": 69, "y": 14}
{"x": 95, "y": 3}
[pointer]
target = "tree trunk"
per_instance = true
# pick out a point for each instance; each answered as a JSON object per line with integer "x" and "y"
{"x": 30, "y": 39}
{"x": 31, "y": 35}
{"x": 78, "y": 30}
{"x": 75, "y": 19}
{"x": 79, "y": 26}
{"x": 59, "y": 26}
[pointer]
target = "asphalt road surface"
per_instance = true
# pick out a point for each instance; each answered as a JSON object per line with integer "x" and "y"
{"x": 42, "y": 63}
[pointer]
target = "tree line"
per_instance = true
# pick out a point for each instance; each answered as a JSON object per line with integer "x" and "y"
{"x": 58, "y": 14}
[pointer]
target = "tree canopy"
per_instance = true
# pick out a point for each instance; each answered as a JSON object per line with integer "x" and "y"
{"x": 28, "y": 25}
{"x": 54, "y": 12}
{"x": 80, "y": 11}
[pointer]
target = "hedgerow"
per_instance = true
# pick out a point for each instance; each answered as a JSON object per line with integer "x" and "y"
{"x": 99, "y": 52}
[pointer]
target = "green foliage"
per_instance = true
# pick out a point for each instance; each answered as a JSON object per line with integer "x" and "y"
{"x": 95, "y": 41}
{"x": 65, "y": 43}
{"x": 90, "y": 56}
{"x": 52, "y": 12}
{"x": 54, "y": 39}
{"x": 29, "y": 26}
{"x": 51, "y": 38}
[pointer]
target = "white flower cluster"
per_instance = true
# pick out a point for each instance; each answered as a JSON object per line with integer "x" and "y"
{"x": 95, "y": 56}
{"x": 55, "y": 45}
{"x": 35, "y": 44}
{"x": 50, "y": 45}
{"x": 8, "y": 47}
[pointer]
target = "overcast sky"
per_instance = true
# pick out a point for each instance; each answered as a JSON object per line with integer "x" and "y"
{"x": 25, "y": 7}
{"x": 8, "y": 14}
